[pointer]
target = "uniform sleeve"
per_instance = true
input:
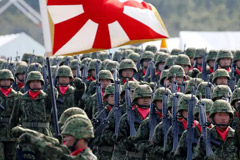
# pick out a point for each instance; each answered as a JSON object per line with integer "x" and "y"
{"x": 158, "y": 141}
{"x": 14, "y": 119}
{"x": 181, "y": 152}
{"x": 168, "y": 147}
{"x": 200, "y": 150}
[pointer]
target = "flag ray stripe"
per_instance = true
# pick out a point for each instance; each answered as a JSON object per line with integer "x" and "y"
{"x": 102, "y": 38}
{"x": 117, "y": 34}
{"x": 79, "y": 41}
{"x": 146, "y": 17}
{"x": 61, "y": 13}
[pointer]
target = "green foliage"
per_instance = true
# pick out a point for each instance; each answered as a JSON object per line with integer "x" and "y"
{"x": 178, "y": 15}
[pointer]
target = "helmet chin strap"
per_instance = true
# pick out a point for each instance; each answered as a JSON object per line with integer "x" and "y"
{"x": 5, "y": 87}
{"x": 35, "y": 89}
{"x": 72, "y": 148}
{"x": 224, "y": 67}
{"x": 64, "y": 84}
{"x": 219, "y": 124}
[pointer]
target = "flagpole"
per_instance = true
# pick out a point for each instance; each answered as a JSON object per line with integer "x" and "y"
{"x": 48, "y": 47}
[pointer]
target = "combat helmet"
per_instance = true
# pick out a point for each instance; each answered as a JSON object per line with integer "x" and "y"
{"x": 190, "y": 52}
{"x": 199, "y": 53}
{"x": 78, "y": 126}
{"x": 91, "y": 65}
{"x": 191, "y": 84}
{"x": 208, "y": 104}
{"x": 201, "y": 89}
{"x": 142, "y": 91}
{"x": 131, "y": 84}
{"x": 170, "y": 99}
{"x": 224, "y": 54}
{"x": 221, "y": 91}
{"x": 134, "y": 56}
{"x": 184, "y": 102}
{"x": 105, "y": 74}
{"x": 170, "y": 61}
{"x": 147, "y": 55}
{"x": 110, "y": 90}
{"x": 74, "y": 64}
{"x": 175, "y": 70}
{"x": 161, "y": 58}
{"x": 158, "y": 94}
{"x": 212, "y": 54}
{"x": 34, "y": 67}
{"x": 235, "y": 96}
{"x": 176, "y": 51}
{"x": 127, "y": 64}
{"x": 118, "y": 56}
{"x": 64, "y": 71}
{"x": 26, "y": 57}
{"x": 220, "y": 73}
{"x": 236, "y": 56}
{"x": 111, "y": 66}
{"x": 68, "y": 113}
{"x": 6, "y": 74}
{"x": 221, "y": 106}
{"x": 151, "y": 48}
{"x": 34, "y": 76}
{"x": 21, "y": 68}
{"x": 183, "y": 59}
{"x": 103, "y": 55}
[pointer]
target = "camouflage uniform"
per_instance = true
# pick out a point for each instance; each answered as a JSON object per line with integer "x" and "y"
{"x": 221, "y": 91}
{"x": 183, "y": 60}
{"x": 220, "y": 73}
{"x": 141, "y": 141}
{"x": 20, "y": 69}
{"x": 235, "y": 98}
{"x": 227, "y": 149}
{"x": 125, "y": 142}
{"x": 224, "y": 54}
{"x": 182, "y": 105}
{"x": 160, "y": 60}
{"x": 181, "y": 152}
{"x": 142, "y": 71}
{"x": 72, "y": 96}
{"x": 7, "y": 143}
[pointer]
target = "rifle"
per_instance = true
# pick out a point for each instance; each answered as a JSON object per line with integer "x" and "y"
{"x": 130, "y": 113}
{"x": 174, "y": 84}
{"x": 118, "y": 113}
{"x": 85, "y": 73}
{"x": 53, "y": 100}
{"x": 175, "y": 124}
{"x": 208, "y": 89}
{"x": 44, "y": 73}
{"x": 147, "y": 72}
{"x": 165, "y": 120}
{"x": 203, "y": 123}
{"x": 153, "y": 121}
{"x": 102, "y": 114}
{"x": 190, "y": 129}
{"x": 232, "y": 81}
{"x": 2, "y": 107}
{"x": 204, "y": 70}
{"x": 215, "y": 65}
{"x": 78, "y": 74}
{"x": 182, "y": 86}
{"x": 152, "y": 72}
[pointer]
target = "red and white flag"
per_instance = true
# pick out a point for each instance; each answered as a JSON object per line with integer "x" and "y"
{"x": 81, "y": 26}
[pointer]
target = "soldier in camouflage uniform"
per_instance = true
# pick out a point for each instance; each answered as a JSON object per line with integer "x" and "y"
{"x": 159, "y": 64}
{"x": 183, "y": 61}
{"x": 170, "y": 61}
{"x": 182, "y": 124}
{"x": 151, "y": 48}
{"x": 210, "y": 60}
{"x": 224, "y": 60}
{"x": 176, "y": 51}
{"x": 147, "y": 56}
{"x": 134, "y": 57}
{"x": 105, "y": 78}
{"x": 8, "y": 97}
{"x": 74, "y": 65}
{"x": 220, "y": 77}
{"x": 141, "y": 141}
{"x": 33, "y": 109}
{"x": 198, "y": 58}
{"x": 26, "y": 57}
{"x": 163, "y": 81}
{"x": 235, "y": 98}
{"x": 222, "y": 137}
{"x": 76, "y": 132}
{"x": 201, "y": 89}
{"x": 140, "y": 107}
{"x": 20, "y": 75}
{"x": 192, "y": 84}
{"x": 190, "y": 52}
{"x": 91, "y": 71}
{"x": 181, "y": 152}
{"x": 69, "y": 96}
{"x": 127, "y": 69}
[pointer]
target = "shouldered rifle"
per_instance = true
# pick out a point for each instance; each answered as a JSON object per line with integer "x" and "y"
{"x": 204, "y": 70}
{"x": 2, "y": 107}
{"x": 26, "y": 88}
{"x": 215, "y": 65}
{"x": 102, "y": 115}
{"x": 175, "y": 124}
{"x": 203, "y": 123}
{"x": 182, "y": 86}
{"x": 190, "y": 129}
{"x": 174, "y": 85}
{"x": 85, "y": 73}
{"x": 147, "y": 72}
{"x": 110, "y": 55}
{"x": 152, "y": 72}
{"x": 53, "y": 99}
{"x": 232, "y": 81}
{"x": 118, "y": 112}
{"x": 130, "y": 113}
{"x": 152, "y": 118}
{"x": 78, "y": 73}
{"x": 165, "y": 120}
{"x": 44, "y": 73}
{"x": 208, "y": 89}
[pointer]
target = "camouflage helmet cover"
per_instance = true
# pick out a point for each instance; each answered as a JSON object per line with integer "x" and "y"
{"x": 147, "y": 55}
{"x": 212, "y": 54}
{"x": 6, "y": 74}
{"x": 221, "y": 91}
{"x": 127, "y": 64}
{"x": 34, "y": 67}
{"x": 105, "y": 74}
{"x": 133, "y": 56}
{"x": 199, "y": 53}
{"x": 184, "y": 102}
{"x": 34, "y": 76}
{"x": 224, "y": 54}
{"x": 64, "y": 71}
{"x": 21, "y": 68}
{"x": 236, "y": 56}
{"x": 235, "y": 96}
{"x": 220, "y": 73}
{"x": 221, "y": 106}
{"x": 175, "y": 70}
{"x": 158, "y": 95}
{"x": 183, "y": 59}
{"x": 151, "y": 48}
{"x": 190, "y": 52}
{"x": 191, "y": 84}
{"x": 208, "y": 103}
{"x": 176, "y": 51}
{"x": 142, "y": 91}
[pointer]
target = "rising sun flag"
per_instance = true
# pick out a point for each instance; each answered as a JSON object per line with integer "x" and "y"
{"x": 82, "y": 26}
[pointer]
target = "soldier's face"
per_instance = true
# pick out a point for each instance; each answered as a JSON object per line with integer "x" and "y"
{"x": 238, "y": 64}
{"x": 160, "y": 66}
{"x": 192, "y": 61}
{"x": 199, "y": 61}
{"x": 64, "y": 80}
{"x": 236, "y": 104}
{"x": 222, "y": 81}
{"x": 144, "y": 101}
{"x": 185, "y": 113}
{"x": 110, "y": 99}
{"x": 159, "y": 105}
{"x": 68, "y": 140}
{"x": 222, "y": 118}
{"x": 166, "y": 82}
{"x": 93, "y": 73}
{"x": 105, "y": 83}
{"x": 35, "y": 84}
{"x": 127, "y": 73}
{"x": 179, "y": 80}
{"x": 185, "y": 68}
{"x": 209, "y": 120}
{"x": 74, "y": 72}
{"x": 21, "y": 76}
{"x": 211, "y": 63}
{"x": 225, "y": 62}
{"x": 145, "y": 62}
{"x": 5, "y": 82}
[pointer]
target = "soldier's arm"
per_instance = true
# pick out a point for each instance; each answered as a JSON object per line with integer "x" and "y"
{"x": 181, "y": 152}
{"x": 141, "y": 142}
{"x": 108, "y": 133}
{"x": 15, "y": 115}
{"x": 158, "y": 140}
{"x": 80, "y": 90}
{"x": 200, "y": 150}
{"x": 168, "y": 147}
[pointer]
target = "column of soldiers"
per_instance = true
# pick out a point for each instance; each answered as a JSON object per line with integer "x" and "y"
{"x": 137, "y": 105}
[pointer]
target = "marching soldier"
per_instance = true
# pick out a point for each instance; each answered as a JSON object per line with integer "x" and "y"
{"x": 224, "y": 60}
